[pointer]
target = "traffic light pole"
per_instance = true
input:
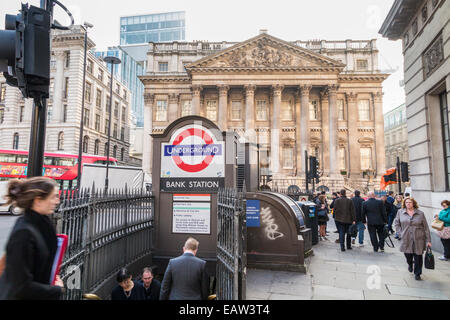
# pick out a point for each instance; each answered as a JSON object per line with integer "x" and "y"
{"x": 306, "y": 171}
{"x": 38, "y": 122}
{"x": 398, "y": 176}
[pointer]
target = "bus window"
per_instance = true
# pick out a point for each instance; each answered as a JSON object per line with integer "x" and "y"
{"x": 8, "y": 158}
{"x": 22, "y": 159}
{"x": 111, "y": 163}
{"x": 48, "y": 161}
{"x": 65, "y": 162}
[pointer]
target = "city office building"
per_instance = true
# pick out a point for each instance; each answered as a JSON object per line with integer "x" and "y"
{"x": 423, "y": 28}
{"x": 396, "y": 136}
{"x": 324, "y": 97}
{"x": 128, "y": 71}
{"x": 65, "y": 104}
{"x": 159, "y": 27}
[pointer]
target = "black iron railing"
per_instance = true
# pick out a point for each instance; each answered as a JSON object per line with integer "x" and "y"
{"x": 106, "y": 231}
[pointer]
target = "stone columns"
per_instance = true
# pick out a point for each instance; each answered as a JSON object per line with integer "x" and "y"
{"x": 276, "y": 130}
{"x": 298, "y": 136}
{"x": 332, "y": 112}
{"x": 325, "y": 131}
{"x": 304, "y": 124}
{"x": 196, "y": 96}
{"x": 58, "y": 89}
{"x": 147, "y": 148}
{"x": 173, "y": 107}
{"x": 250, "y": 113}
{"x": 223, "y": 107}
{"x": 379, "y": 133}
{"x": 353, "y": 146}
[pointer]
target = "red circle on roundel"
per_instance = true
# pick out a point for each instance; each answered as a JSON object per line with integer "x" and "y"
{"x": 192, "y": 168}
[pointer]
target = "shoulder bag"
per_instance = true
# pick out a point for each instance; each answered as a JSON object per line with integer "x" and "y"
{"x": 429, "y": 259}
{"x": 437, "y": 224}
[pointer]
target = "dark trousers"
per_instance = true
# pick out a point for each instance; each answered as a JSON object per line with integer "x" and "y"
{"x": 446, "y": 244}
{"x": 374, "y": 231}
{"x": 391, "y": 219}
{"x": 417, "y": 260}
{"x": 343, "y": 234}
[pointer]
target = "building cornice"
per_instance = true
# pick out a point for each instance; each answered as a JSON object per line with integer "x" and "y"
{"x": 399, "y": 18}
{"x": 376, "y": 77}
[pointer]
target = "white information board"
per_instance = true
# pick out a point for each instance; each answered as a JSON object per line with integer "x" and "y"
{"x": 191, "y": 217}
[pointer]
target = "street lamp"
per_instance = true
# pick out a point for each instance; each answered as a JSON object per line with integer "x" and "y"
{"x": 113, "y": 61}
{"x": 80, "y": 141}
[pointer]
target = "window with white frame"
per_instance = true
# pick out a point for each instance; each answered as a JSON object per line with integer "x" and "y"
{"x": 186, "y": 108}
{"x": 364, "y": 110}
{"x": 313, "y": 110}
{"x": 366, "y": 158}
{"x": 236, "y": 110}
{"x": 161, "y": 110}
{"x": 163, "y": 66}
{"x": 287, "y": 111}
{"x": 340, "y": 107}
{"x": 262, "y": 112}
{"x": 211, "y": 110}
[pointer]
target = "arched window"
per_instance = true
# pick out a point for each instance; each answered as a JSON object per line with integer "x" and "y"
{"x": 115, "y": 152}
{"x": 16, "y": 141}
{"x": 86, "y": 144}
{"x": 61, "y": 141}
{"x": 122, "y": 154}
{"x": 96, "y": 147}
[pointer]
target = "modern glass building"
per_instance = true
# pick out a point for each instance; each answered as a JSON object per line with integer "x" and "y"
{"x": 158, "y": 27}
{"x": 128, "y": 72}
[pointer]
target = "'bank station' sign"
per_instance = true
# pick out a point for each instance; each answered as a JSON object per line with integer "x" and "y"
{"x": 193, "y": 160}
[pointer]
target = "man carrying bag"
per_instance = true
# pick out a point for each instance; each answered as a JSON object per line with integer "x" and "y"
{"x": 374, "y": 214}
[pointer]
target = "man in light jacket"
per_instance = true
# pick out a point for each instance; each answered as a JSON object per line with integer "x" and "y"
{"x": 344, "y": 215}
{"x": 185, "y": 277}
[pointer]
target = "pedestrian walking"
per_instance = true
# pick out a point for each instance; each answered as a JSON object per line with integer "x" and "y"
{"x": 32, "y": 245}
{"x": 444, "y": 216}
{"x": 127, "y": 289}
{"x": 415, "y": 235}
{"x": 357, "y": 203}
{"x": 374, "y": 214}
{"x": 185, "y": 277}
{"x": 152, "y": 286}
{"x": 392, "y": 210}
{"x": 334, "y": 196}
{"x": 397, "y": 206}
{"x": 322, "y": 216}
{"x": 344, "y": 212}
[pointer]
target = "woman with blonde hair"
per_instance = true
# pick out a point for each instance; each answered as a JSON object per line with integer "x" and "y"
{"x": 412, "y": 226}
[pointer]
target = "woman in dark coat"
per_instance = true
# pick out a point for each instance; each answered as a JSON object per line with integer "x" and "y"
{"x": 127, "y": 289}
{"x": 32, "y": 245}
{"x": 415, "y": 236}
{"x": 322, "y": 216}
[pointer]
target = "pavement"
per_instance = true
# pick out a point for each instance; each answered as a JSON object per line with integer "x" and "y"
{"x": 357, "y": 274}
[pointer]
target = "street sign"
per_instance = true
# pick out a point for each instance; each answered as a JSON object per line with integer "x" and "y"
{"x": 194, "y": 159}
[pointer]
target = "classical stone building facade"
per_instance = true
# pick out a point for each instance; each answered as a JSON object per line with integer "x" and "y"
{"x": 396, "y": 136}
{"x": 290, "y": 97}
{"x": 64, "y": 105}
{"x": 424, "y": 28}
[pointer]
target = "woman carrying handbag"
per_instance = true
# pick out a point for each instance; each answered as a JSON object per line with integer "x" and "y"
{"x": 444, "y": 234}
{"x": 415, "y": 236}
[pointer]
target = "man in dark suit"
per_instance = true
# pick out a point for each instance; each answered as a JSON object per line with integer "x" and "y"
{"x": 357, "y": 202}
{"x": 374, "y": 214}
{"x": 344, "y": 215}
{"x": 185, "y": 277}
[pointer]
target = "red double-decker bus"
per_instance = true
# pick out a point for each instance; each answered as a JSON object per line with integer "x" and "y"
{"x": 59, "y": 166}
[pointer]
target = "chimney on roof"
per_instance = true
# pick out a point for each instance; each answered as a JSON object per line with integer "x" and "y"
{"x": 262, "y": 31}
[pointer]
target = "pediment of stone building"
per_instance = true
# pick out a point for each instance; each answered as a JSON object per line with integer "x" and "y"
{"x": 265, "y": 52}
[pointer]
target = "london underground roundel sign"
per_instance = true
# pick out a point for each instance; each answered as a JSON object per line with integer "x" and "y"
{"x": 193, "y": 152}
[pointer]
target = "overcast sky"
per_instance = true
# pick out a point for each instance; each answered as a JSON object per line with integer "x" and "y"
{"x": 239, "y": 20}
